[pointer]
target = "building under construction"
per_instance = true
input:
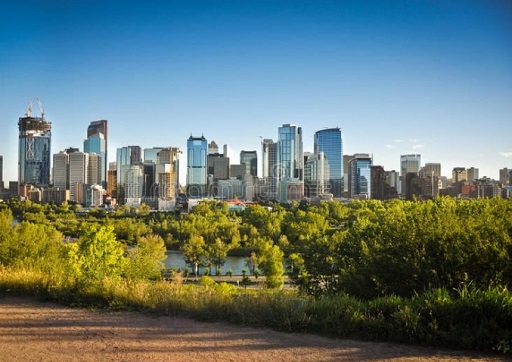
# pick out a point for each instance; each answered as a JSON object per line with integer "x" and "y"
{"x": 34, "y": 152}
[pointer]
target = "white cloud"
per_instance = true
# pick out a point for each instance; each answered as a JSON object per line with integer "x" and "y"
{"x": 398, "y": 141}
{"x": 417, "y": 147}
{"x": 412, "y": 140}
{"x": 506, "y": 154}
{"x": 390, "y": 146}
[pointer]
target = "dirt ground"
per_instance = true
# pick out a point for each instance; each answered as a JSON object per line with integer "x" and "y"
{"x": 38, "y": 331}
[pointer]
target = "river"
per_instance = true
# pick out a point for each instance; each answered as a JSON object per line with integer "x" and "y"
{"x": 175, "y": 260}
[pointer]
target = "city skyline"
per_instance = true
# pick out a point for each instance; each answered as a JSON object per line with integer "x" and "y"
{"x": 397, "y": 78}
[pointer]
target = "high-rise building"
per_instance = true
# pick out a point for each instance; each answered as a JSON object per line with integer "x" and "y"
{"x": 269, "y": 168}
{"x": 378, "y": 183}
{"x": 290, "y": 161}
{"x": 504, "y": 175}
{"x": 126, "y": 157}
{"x": 432, "y": 169}
{"x": 250, "y": 160}
{"x": 290, "y": 158}
{"x": 34, "y": 149}
{"x": 197, "y": 152}
{"x": 97, "y": 142}
{"x": 167, "y": 170}
{"x": 112, "y": 179}
{"x": 428, "y": 181}
{"x": 133, "y": 183}
{"x": 94, "y": 170}
{"x": 316, "y": 174}
{"x": 472, "y": 174}
{"x": 359, "y": 177}
{"x": 78, "y": 164}
{"x": 330, "y": 142}
{"x": 408, "y": 164}
{"x": 60, "y": 170}
{"x": 151, "y": 154}
{"x": 213, "y": 148}
{"x": 393, "y": 181}
{"x": 459, "y": 174}
{"x": 218, "y": 166}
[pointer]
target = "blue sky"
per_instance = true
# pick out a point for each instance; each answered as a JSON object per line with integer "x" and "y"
{"x": 429, "y": 77}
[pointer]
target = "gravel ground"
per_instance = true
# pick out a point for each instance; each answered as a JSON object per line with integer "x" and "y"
{"x": 39, "y": 331}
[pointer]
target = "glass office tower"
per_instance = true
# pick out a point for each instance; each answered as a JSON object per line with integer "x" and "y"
{"x": 359, "y": 177}
{"x": 250, "y": 160}
{"x": 330, "y": 142}
{"x": 126, "y": 157}
{"x": 408, "y": 164}
{"x": 34, "y": 150}
{"x": 290, "y": 156}
{"x": 97, "y": 142}
{"x": 197, "y": 152}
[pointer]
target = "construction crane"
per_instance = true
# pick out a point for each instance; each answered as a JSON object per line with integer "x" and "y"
{"x": 28, "y": 113}
{"x": 41, "y": 109}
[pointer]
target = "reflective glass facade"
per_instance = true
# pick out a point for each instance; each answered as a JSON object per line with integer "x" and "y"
{"x": 34, "y": 151}
{"x": 290, "y": 157}
{"x": 197, "y": 152}
{"x": 97, "y": 144}
{"x": 330, "y": 142}
{"x": 126, "y": 156}
{"x": 250, "y": 160}
{"x": 97, "y": 135}
{"x": 360, "y": 179}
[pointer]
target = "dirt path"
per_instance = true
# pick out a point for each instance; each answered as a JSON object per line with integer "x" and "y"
{"x": 36, "y": 331}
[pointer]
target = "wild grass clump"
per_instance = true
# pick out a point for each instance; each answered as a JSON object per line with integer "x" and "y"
{"x": 468, "y": 318}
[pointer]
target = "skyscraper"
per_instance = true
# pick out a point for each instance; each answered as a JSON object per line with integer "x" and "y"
{"x": 61, "y": 168}
{"x": 433, "y": 169}
{"x": 97, "y": 142}
{"x": 269, "y": 171}
{"x": 472, "y": 174}
{"x": 359, "y": 177}
{"x": 167, "y": 170}
{"x": 408, "y": 164}
{"x": 197, "y": 152}
{"x": 126, "y": 157}
{"x": 34, "y": 149}
{"x": 316, "y": 174}
{"x": 78, "y": 163}
{"x": 250, "y": 160}
{"x": 330, "y": 142}
{"x": 290, "y": 158}
{"x": 94, "y": 169}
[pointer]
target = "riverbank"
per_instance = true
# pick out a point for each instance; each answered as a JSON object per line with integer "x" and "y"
{"x": 33, "y": 330}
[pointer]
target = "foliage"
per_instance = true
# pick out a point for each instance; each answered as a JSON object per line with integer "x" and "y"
{"x": 401, "y": 248}
{"x": 433, "y": 272}
{"x": 98, "y": 254}
{"x": 272, "y": 267}
{"x": 145, "y": 260}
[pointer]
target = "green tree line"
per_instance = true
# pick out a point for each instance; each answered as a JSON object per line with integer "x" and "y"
{"x": 363, "y": 248}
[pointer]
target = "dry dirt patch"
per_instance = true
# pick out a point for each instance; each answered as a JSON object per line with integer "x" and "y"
{"x": 38, "y": 331}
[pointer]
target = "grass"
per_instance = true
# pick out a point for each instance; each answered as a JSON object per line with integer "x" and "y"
{"x": 465, "y": 319}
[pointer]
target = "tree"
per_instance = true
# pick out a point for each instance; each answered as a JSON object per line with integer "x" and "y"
{"x": 194, "y": 252}
{"x": 217, "y": 253}
{"x": 252, "y": 262}
{"x": 273, "y": 267}
{"x": 145, "y": 260}
{"x": 98, "y": 254}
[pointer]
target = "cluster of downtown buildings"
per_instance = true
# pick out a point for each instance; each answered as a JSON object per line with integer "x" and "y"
{"x": 151, "y": 175}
